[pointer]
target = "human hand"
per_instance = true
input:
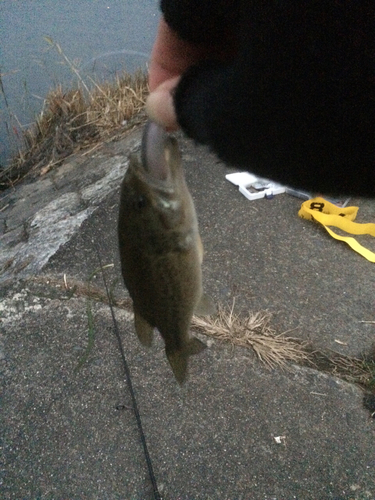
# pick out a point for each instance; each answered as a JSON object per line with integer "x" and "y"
{"x": 170, "y": 57}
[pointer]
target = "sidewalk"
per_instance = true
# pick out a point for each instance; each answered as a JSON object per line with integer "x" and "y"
{"x": 68, "y": 427}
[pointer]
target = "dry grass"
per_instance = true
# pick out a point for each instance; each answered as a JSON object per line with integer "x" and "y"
{"x": 75, "y": 119}
{"x": 71, "y": 287}
{"x": 114, "y": 103}
{"x": 354, "y": 370}
{"x": 276, "y": 350}
{"x": 254, "y": 331}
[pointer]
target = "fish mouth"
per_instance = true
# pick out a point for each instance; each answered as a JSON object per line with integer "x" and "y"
{"x": 153, "y": 149}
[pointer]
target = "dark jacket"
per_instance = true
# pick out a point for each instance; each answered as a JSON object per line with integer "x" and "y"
{"x": 295, "y": 102}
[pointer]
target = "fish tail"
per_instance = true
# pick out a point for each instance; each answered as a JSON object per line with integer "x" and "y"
{"x": 178, "y": 359}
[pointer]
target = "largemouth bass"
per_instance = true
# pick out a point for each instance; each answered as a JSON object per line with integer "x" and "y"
{"x": 160, "y": 248}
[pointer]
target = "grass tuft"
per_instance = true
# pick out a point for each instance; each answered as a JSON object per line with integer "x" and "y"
{"x": 75, "y": 119}
{"x": 355, "y": 370}
{"x": 254, "y": 331}
{"x": 277, "y": 350}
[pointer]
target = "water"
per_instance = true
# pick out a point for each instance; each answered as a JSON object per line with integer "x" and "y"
{"x": 99, "y": 37}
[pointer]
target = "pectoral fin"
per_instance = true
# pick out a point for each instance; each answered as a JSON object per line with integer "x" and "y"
{"x": 144, "y": 330}
{"x": 179, "y": 359}
{"x": 205, "y": 306}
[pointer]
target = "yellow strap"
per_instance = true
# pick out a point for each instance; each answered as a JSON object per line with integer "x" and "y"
{"x": 321, "y": 210}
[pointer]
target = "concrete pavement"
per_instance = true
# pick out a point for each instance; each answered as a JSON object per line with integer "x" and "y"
{"x": 236, "y": 430}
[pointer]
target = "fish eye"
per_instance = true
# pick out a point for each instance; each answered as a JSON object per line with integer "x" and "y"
{"x": 140, "y": 203}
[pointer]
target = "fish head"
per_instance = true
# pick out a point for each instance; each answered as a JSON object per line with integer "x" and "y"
{"x": 154, "y": 189}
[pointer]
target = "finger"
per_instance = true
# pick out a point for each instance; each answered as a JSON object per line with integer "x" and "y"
{"x": 160, "y": 106}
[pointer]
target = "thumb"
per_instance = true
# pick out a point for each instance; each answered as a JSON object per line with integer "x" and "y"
{"x": 160, "y": 106}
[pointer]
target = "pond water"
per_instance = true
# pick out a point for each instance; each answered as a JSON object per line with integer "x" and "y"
{"x": 98, "y": 37}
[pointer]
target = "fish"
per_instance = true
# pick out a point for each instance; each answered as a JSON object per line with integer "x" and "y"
{"x": 160, "y": 248}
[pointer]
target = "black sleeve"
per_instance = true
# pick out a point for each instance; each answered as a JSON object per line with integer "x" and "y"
{"x": 200, "y": 21}
{"x": 296, "y": 103}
